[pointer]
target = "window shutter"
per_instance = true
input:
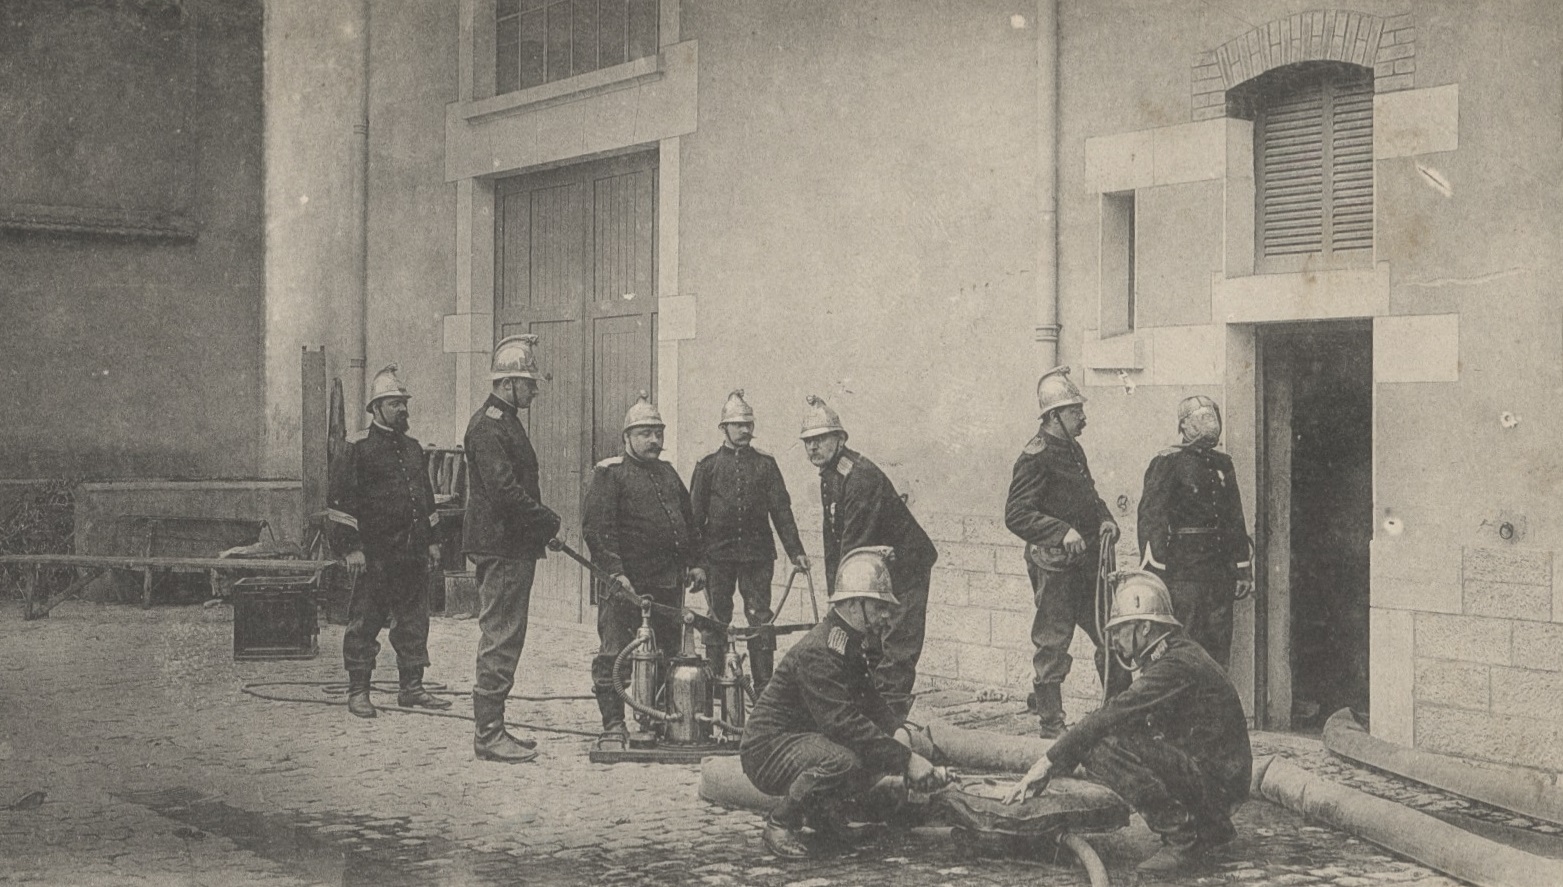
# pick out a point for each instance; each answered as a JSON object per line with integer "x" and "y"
{"x": 1351, "y": 169}
{"x": 1315, "y": 170}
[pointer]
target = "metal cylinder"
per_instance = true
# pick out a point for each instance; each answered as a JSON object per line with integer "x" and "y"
{"x": 643, "y": 674}
{"x": 730, "y": 687}
{"x": 689, "y": 702}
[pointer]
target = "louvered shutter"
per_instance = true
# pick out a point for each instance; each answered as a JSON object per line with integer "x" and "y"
{"x": 1315, "y": 172}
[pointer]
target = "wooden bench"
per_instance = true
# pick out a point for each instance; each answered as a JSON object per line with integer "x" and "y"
{"x": 90, "y": 566}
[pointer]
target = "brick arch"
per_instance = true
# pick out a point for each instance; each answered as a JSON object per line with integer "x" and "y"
{"x": 1387, "y": 45}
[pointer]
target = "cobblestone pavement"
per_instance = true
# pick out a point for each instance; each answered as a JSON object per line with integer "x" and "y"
{"x": 160, "y": 770}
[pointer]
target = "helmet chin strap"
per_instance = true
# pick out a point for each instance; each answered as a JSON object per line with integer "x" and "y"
{"x": 1133, "y": 662}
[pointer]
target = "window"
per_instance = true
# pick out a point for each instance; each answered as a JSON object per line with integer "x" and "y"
{"x": 1313, "y": 164}
{"x": 1117, "y": 263}
{"x": 540, "y": 41}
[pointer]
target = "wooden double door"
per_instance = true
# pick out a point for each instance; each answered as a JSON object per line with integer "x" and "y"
{"x": 575, "y": 263}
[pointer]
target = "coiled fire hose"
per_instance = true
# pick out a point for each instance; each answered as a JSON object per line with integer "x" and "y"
{"x": 618, "y": 682}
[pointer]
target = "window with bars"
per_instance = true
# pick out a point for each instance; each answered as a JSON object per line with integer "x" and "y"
{"x": 1313, "y": 165}
{"x": 540, "y": 41}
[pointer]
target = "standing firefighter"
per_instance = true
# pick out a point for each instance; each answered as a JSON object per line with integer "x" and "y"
{"x": 382, "y": 505}
{"x": 507, "y": 527}
{"x": 738, "y": 494}
{"x": 640, "y": 527}
{"x": 1191, "y": 528}
{"x": 861, "y": 509}
{"x": 1054, "y": 507}
{"x": 821, "y": 734}
{"x": 1174, "y": 744}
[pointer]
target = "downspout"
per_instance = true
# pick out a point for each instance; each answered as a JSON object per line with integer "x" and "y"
{"x": 358, "y": 320}
{"x": 1047, "y": 328}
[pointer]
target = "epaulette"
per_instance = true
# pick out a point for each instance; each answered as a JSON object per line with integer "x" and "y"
{"x": 358, "y": 435}
{"x": 1035, "y": 445}
{"x": 610, "y": 461}
{"x": 837, "y": 640}
{"x": 1170, "y": 451}
{"x": 843, "y": 466}
{"x": 494, "y": 413}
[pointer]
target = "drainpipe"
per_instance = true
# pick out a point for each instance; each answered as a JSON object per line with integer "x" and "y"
{"x": 358, "y": 321}
{"x": 1047, "y": 328}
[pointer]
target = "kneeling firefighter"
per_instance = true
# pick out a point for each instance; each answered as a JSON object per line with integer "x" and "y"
{"x": 821, "y": 735}
{"x": 1173, "y": 744}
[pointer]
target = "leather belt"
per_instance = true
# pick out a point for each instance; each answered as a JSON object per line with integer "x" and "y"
{"x": 1196, "y": 531}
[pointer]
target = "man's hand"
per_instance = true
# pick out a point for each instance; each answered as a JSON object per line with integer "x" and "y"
{"x": 801, "y": 562}
{"x": 434, "y": 556}
{"x": 1034, "y": 782}
{"x": 1109, "y": 532}
{"x": 1073, "y": 542}
{"x": 697, "y": 578}
{"x": 355, "y": 564}
{"x": 1245, "y": 583}
{"x": 624, "y": 582}
{"x": 921, "y": 774}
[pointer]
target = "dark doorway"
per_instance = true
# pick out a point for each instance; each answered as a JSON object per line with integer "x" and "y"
{"x": 1316, "y": 520}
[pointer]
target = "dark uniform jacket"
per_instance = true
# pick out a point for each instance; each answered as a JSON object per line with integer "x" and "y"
{"x": 639, "y": 521}
{"x": 738, "y": 493}
{"x": 381, "y": 500}
{"x": 1050, "y": 493}
{"x": 505, "y": 514}
{"x": 824, "y": 685}
{"x": 861, "y": 507}
{"x": 1191, "y": 515}
{"x": 1183, "y": 696}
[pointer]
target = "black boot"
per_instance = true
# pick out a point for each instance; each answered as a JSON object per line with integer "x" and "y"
{"x": 762, "y": 662}
{"x": 412, "y": 694}
{"x": 614, "y": 732}
{"x": 1050, "y": 710}
{"x": 358, "y": 694}
{"x": 490, "y": 740}
{"x": 716, "y": 657}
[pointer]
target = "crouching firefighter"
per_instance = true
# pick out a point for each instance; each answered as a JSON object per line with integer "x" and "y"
{"x": 1174, "y": 744}
{"x": 738, "y": 494}
{"x": 821, "y": 735}
{"x": 382, "y": 511}
{"x": 640, "y": 527}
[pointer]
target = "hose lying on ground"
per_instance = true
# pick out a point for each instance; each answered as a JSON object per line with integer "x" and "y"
{"x": 1409, "y": 832}
{"x": 336, "y": 688}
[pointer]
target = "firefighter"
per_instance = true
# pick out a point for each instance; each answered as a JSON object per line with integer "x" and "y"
{"x": 641, "y": 528}
{"x": 1191, "y": 528}
{"x": 861, "y": 508}
{"x": 821, "y": 735}
{"x": 1053, "y": 505}
{"x": 1174, "y": 744}
{"x": 506, "y": 529}
{"x": 382, "y": 510}
{"x": 738, "y": 495}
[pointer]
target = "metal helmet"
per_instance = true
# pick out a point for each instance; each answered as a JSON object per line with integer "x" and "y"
{"x": 1191, "y": 405}
{"x": 643, "y": 413}
{"x": 1056, "y": 390}
{"x": 819, "y": 419}
{"x": 1140, "y": 595}
{"x": 865, "y": 572}
{"x": 515, "y": 358}
{"x": 736, "y": 410}
{"x": 385, "y": 384}
{"x": 1199, "y": 420}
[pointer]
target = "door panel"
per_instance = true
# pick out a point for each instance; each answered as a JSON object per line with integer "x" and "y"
{"x": 575, "y": 263}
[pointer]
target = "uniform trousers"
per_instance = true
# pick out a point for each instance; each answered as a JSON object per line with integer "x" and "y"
{"x": 810, "y": 772}
{"x": 753, "y": 581}
{"x": 391, "y": 587}
{"x": 504, "y": 599}
{"x": 1065, "y": 599}
{"x": 1204, "y": 606}
{"x": 1167, "y": 786}
{"x": 903, "y": 642}
{"x": 618, "y": 620}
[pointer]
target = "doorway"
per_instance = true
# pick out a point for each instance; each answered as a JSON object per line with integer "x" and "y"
{"x": 575, "y": 263}
{"x": 1315, "y": 521}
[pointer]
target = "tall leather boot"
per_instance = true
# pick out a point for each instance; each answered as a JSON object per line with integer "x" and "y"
{"x": 612, "y": 708}
{"x": 716, "y": 657}
{"x": 412, "y": 693}
{"x": 358, "y": 694}
{"x": 1050, "y": 710}
{"x": 490, "y": 740}
{"x": 762, "y": 663}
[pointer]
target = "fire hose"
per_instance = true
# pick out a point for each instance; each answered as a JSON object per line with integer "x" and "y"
{"x": 1106, "y": 565}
